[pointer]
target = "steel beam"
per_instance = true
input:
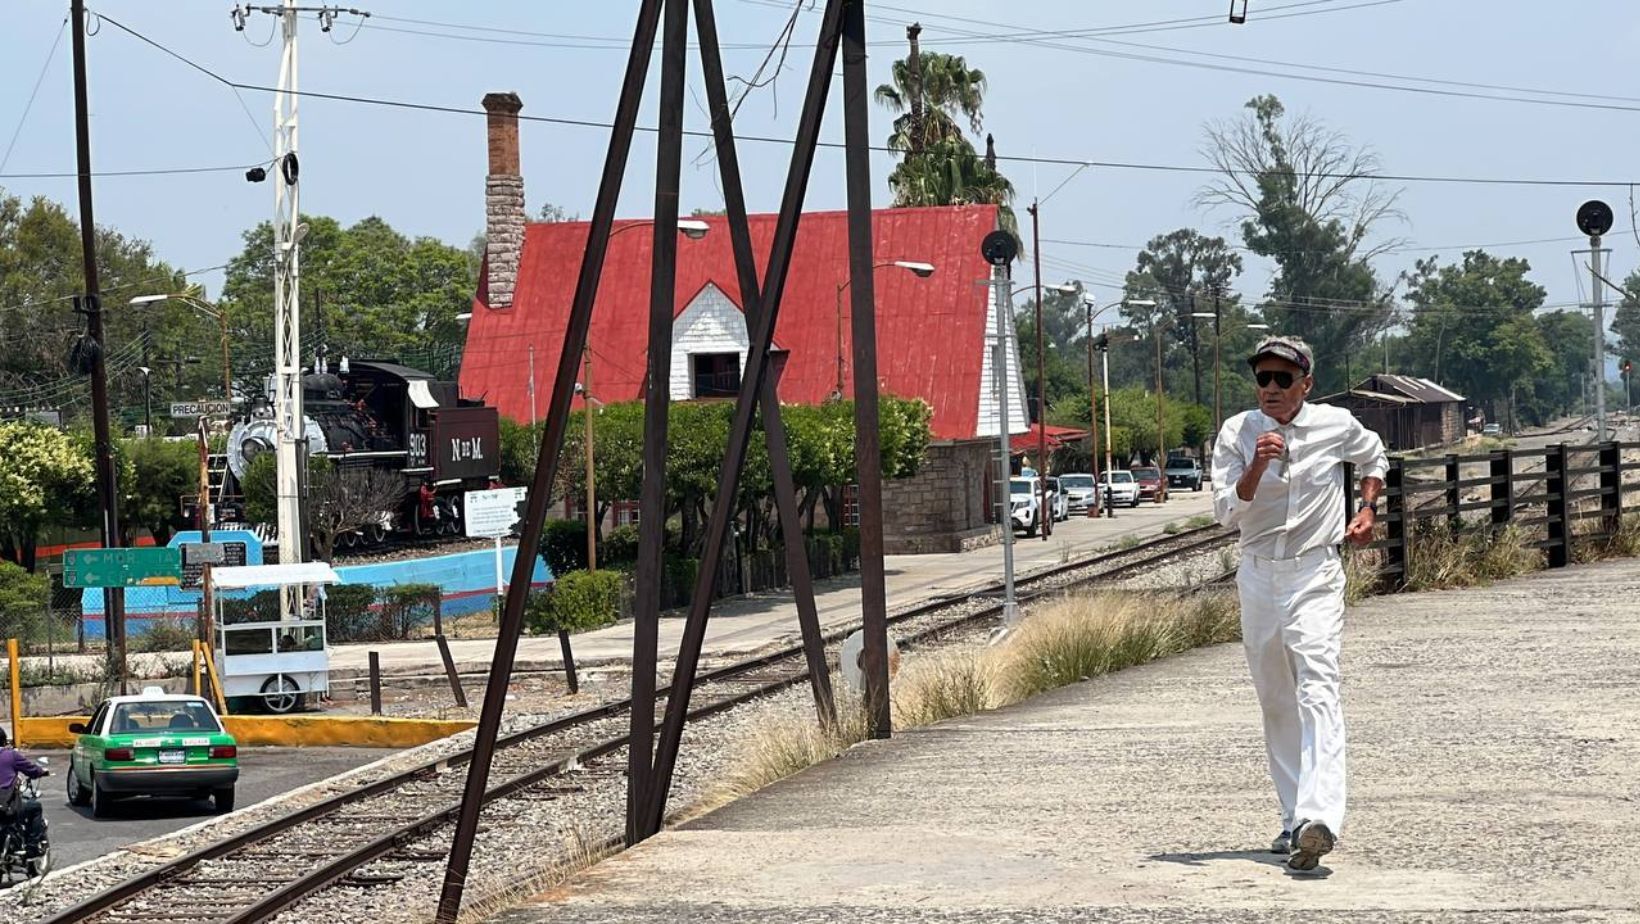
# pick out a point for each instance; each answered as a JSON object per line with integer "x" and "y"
{"x": 761, "y": 334}
{"x": 546, "y": 462}
{"x": 656, "y": 411}
{"x": 774, "y": 429}
{"x": 867, "y": 446}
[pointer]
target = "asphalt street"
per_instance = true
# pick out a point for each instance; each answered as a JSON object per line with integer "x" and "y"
{"x": 263, "y": 773}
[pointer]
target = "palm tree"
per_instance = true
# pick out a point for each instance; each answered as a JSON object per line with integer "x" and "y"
{"x": 947, "y": 89}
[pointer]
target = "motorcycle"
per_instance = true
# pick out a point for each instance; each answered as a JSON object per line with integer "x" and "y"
{"x": 15, "y": 863}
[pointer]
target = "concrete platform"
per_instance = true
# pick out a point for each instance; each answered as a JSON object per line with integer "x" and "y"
{"x": 1494, "y": 773}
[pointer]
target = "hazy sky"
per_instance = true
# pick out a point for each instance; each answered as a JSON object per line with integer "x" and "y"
{"x": 1070, "y": 98}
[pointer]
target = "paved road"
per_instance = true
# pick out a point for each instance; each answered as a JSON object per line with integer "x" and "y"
{"x": 264, "y": 772}
{"x": 1494, "y": 765}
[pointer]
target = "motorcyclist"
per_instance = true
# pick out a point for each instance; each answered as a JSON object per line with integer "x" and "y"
{"x": 12, "y": 764}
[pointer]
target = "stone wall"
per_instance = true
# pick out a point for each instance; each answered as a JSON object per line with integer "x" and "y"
{"x": 942, "y": 508}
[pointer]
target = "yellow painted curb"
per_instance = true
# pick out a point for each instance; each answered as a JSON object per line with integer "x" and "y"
{"x": 293, "y": 731}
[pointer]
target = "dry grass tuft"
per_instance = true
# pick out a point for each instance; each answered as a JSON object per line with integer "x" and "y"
{"x": 1439, "y": 558}
{"x": 1058, "y": 643}
{"x": 1587, "y": 547}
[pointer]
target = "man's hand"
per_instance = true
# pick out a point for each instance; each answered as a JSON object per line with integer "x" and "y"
{"x": 1270, "y": 447}
{"x": 1359, "y": 530}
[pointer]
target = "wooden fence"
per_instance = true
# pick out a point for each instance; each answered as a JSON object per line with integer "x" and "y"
{"x": 1547, "y": 493}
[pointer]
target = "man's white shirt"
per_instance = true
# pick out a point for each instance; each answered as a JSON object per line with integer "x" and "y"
{"x": 1299, "y": 505}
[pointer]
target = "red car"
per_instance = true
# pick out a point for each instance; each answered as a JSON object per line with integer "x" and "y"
{"x": 1150, "y": 482}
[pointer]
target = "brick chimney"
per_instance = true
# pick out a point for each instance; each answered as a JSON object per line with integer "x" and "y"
{"x": 503, "y": 199}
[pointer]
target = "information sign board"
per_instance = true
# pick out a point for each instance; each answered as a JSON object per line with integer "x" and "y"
{"x": 122, "y": 567}
{"x": 492, "y": 514}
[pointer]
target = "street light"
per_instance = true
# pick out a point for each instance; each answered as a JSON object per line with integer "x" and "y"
{"x": 147, "y": 402}
{"x": 918, "y": 269}
{"x": 1217, "y": 357}
{"x": 1042, "y": 405}
{"x": 205, "y": 308}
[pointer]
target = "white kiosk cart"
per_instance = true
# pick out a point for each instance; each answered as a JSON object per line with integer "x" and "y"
{"x": 279, "y": 661}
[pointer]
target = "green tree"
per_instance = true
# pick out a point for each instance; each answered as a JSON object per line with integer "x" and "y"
{"x": 40, "y": 273}
{"x": 1569, "y": 336}
{"x": 164, "y": 471}
{"x": 1472, "y": 326}
{"x": 1184, "y": 271}
{"x": 23, "y": 598}
{"x": 1308, "y": 201}
{"x": 367, "y": 291}
{"x": 1626, "y": 319}
{"x": 46, "y": 478}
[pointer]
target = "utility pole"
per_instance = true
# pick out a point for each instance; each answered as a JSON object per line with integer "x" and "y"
{"x": 1104, "y": 362}
{"x": 1599, "y": 303}
{"x": 1218, "y": 359}
{"x": 289, "y": 421}
{"x": 1041, "y": 382}
{"x": 532, "y": 386}
{"x": 1161, "y": 433}
{"x": 1001, "y": 288}
{"x": 1093, "y": 417}
{"x": 592, "y": 491}
{"x": 90, "y": 304}
{"x": 1594, "y": 218}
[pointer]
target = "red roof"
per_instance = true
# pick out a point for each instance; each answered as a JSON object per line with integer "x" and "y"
{"x": 930, "y": 332}
{"x": 1056, "y": 437}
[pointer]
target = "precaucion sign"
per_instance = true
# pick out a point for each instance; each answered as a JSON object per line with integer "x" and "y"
{"x": 201, "y": 408}
{"x": 492, "y": 514}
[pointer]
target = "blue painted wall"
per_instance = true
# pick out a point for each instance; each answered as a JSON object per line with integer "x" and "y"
{"x": 467, "y": 580}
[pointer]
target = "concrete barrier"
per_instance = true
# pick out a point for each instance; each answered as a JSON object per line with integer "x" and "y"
{"x": 292, "y": 731}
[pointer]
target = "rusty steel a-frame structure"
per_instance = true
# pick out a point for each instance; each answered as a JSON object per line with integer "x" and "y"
{"x": 650, "y": 762}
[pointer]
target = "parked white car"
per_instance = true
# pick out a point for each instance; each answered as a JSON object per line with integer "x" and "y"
{"x": 1024, "y": 508}
{"x": 1058, "y": 502}
{"x": 1123, "y": 487}
{"x": 1078, "y": 488}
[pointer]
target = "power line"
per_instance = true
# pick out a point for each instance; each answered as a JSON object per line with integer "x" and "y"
{"x": 1031, "y": 39}
{"x": 160, "y": 171}
{"x": 884, "y": 149}
{"x": 27, "y": 107}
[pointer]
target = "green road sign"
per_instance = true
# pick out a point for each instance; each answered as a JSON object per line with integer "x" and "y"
{"x": 121, "y": 567}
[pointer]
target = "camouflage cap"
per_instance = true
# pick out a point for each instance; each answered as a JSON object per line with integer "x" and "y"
{"x": 1291, "y": 349}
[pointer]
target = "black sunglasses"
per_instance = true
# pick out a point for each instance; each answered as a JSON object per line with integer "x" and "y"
{"x": 1283, "y": 379}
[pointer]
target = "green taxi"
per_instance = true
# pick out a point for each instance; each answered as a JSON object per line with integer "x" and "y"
{"x": 156, "y": 743}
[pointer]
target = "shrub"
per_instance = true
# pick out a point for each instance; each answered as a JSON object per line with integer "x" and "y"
{"x": 620, "y": 546}
{"x": 564, "y": 546}
{"x": 404, "y": 607}
{"x": 23, "y": 598}
{"x": 579, "y": 601}
{"x": 347, "y": 612}
{"x": 166, "y": 635}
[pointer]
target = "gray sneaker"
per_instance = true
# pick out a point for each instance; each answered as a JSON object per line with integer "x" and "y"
{"x": 1283, "y": 844}
{"x": 1312, "y": 841}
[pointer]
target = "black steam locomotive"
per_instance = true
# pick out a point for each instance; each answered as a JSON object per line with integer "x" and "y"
{"x": 393, "y": 418}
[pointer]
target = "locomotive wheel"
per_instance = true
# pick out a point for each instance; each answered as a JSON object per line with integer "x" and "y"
{"x": 350, "y": 540}
{"x": 374, "y": 534}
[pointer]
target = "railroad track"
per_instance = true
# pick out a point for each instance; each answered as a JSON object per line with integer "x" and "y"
{"x": 257, "y": 873}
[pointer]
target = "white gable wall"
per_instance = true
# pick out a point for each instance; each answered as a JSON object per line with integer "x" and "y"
{"x": 711, "y": 324}
{"x": 1018, "y": 421}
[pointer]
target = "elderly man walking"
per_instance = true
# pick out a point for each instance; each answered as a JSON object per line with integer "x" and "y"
{"x": 1278, "y": 478}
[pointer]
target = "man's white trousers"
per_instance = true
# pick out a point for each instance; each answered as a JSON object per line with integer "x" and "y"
{"x": 1292, "y": 623}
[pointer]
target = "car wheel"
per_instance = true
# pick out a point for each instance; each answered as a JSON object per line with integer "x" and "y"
{"x": 1031, "y": 530}
{"x": 102, "y": 805}
{"x": 280, "y": 695}
{"x": 1198, "y": 486}
{"x": 1134, "y": 502}
{"x": 77, "y": 794}
{"x": 224, "y": 800}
